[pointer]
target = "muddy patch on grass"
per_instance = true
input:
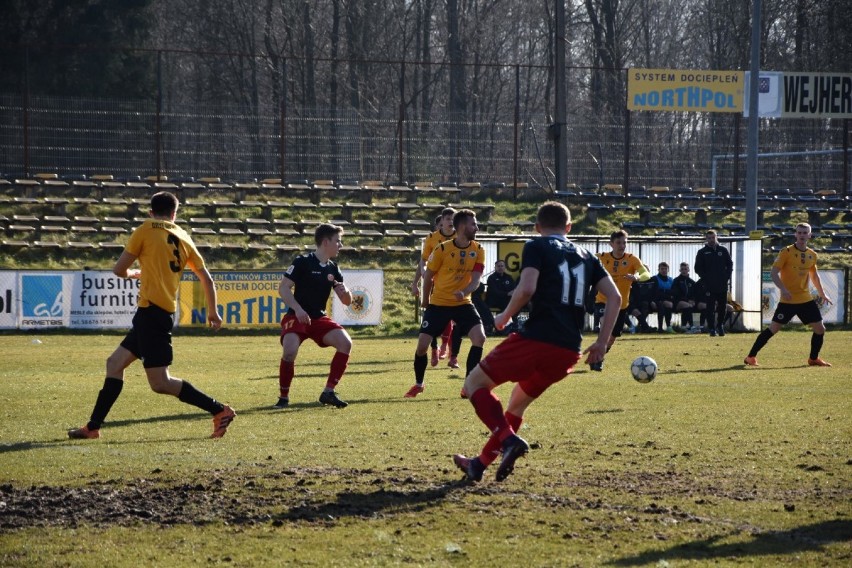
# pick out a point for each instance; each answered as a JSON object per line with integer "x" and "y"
{"x": 324, "y": 496}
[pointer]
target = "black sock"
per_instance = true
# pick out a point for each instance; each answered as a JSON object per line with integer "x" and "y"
{"x": 434, "y": 344}
{"x": 816, "y": 344}
{"x": 106, "y": 398}
{"x": 473, "y": 357}
{"x": 761, "y": 340}
{"x": 686, "y": 317}
{"x": 191, "y": 395}
{"x": 455, "y": 347}
{"x": 420, "y": 363}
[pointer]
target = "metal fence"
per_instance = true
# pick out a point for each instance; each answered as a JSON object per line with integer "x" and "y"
{"x": 179, "y": 138}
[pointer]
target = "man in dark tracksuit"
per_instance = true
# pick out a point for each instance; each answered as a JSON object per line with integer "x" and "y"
{"x": 714, "y": 266}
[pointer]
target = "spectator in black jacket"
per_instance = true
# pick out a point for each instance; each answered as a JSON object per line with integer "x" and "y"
{"x": 641, "y": 297}
{"x": 682, "y": 296}
{"x": 714, "y": 266}
{"x": 499, "y": 287}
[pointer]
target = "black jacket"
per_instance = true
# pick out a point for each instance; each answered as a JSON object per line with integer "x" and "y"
{"x": 682, "y": 289}
{"x": 714, "y": 267}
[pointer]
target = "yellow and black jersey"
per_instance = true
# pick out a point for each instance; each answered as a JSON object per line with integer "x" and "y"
{"x": 163, "y": 250}
{"x": 618, "y": 268}
{"x": 794, "y": 267}
{"x": 434, "y": 239}
{"x": 453, "y": 268}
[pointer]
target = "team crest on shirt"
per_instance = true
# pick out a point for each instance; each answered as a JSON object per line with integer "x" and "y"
{"x": 472, "y": 255}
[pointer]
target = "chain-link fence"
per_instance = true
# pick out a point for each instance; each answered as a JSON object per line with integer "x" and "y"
{"x": 180, "y": 133}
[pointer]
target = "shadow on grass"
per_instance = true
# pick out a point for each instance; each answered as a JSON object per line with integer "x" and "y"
{"x": 369, "y": 504}
{"x": 736, "y": 367}
{"x": 807, "y": 538}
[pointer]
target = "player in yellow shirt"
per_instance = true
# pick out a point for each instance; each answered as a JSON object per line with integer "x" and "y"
{"x": 444, "y": 231}
{"x": 795, "y": 266}
{"x": 452, "y": 273}
{"x": 625, "y": 269}
{"x": 163, "y": 250}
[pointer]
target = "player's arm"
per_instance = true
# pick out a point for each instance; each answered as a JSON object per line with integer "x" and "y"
{"x": 343, "y": 293}
{"x": 775, "y": 274}
{"x": 285, "y": 290}
{"x": 122, "y": 266}
{"x": 213, "y": 317}
{"x": 817, "y": 282}
{"x": 642, "y": 274}
{"x": 426, "y": 289}
{"x": 475, "y": 278}
{"x": 596, "y": 351}
{"x": 418, "y": 276}
{"x": 523, "y": 293}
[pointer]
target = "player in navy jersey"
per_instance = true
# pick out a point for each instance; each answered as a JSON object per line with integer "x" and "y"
{"x": 314, "y": 276}
{"x": 556, "y": 276}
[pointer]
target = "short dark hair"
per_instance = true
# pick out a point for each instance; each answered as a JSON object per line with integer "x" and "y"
{"x": 553, "y": 215}
{"x": 686, "y": 264}
{"x": 326, "y": 231}
{"x": 662, "y": 264}
{"x": 461, "y": 216}
{"x": 618, "y": 234}
{"x": 163, "y": 203}
{"x": 710, "y": 232}
{"x": 447, "y": 211}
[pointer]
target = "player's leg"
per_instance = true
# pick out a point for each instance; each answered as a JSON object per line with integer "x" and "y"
{"x": 809, "y": 314}
{"x": 721, "y": 313}
{"x": 455, "y": 347}
{"x": 446, "y": 339}
{"x": 435, "y": 354}
{"x": 342, "y": 343}
{"x": 116, "y": 363}
{"x": 290, "y": 343}
{"x": 782, "y": 313}
{"x": 163, "y": 383}
{"x": 435, "y": 319}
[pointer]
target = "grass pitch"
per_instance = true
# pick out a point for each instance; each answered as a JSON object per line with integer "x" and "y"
{"x": 711, "y": 463}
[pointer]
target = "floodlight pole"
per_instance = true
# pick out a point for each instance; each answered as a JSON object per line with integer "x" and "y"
{"x": 753, "y": 121}
{"x": 560, "y": 128}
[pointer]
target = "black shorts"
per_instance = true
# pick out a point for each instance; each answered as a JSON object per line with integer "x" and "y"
{"x": 619, "y": 321}
{"x": 807, "y": 312}
{"x": 151, "y": 337}
{"x": 435, "y": 319}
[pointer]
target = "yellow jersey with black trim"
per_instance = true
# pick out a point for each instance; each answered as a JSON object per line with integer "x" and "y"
{"x": 453, "y": 268}
{"x": 794, "y": 267}
{"x": 432, "y": 240}
{"x": 618, "y": 268}
{"x": 163, "y": 250}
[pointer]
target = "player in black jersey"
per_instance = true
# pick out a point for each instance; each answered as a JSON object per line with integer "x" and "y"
{"x": 556, "y": 276}
{"x": 314, "y": 276}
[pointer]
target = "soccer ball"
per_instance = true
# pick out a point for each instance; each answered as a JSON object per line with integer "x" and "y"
{"x": 644, "y": 369}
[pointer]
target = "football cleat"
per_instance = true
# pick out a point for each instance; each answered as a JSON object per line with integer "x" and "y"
{"x": 414, "y": 391}
{"x": 283, "y": 402}
{"x": 596, "y": 366}
{"x": 472, "y": 467}
{"x": 453, "y": 363}
{"x": 721, "y": 331}
{"x": 83, "y": 433}
{"x": 713, "y": 332}
{"x": 442, "y": 352}
{"x": 751, "y": 361}
{"x": 818, "y": 363}
{"x": 514, "y": 447}
{"x": 463, "y": 393}
{"x": 434, "y": 360}
{"x": 329, "y": 398}
{"x": 221, "y": 421}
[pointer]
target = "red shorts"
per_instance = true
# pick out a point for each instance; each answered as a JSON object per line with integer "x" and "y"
{"x": 534, "y": 365}
{"x": 316, "y": 330}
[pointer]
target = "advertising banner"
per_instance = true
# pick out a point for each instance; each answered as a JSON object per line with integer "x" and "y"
{"x": 8, "y": 300}
{"x": 368, "y": 292}
{"x": 685, "y": 90}
{"x": 102, "y": 300}
{"x": 769, "y": 94}
{"x": 44, "y": 300}
{"x": 832, "y": 284}
{"x": 817, "y": 95}
{"x": 246, "y": 299}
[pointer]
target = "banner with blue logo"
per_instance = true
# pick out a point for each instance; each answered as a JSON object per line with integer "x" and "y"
{"x": 44, "y": 300}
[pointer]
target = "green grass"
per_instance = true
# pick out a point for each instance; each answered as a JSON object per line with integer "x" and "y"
{"x": 709, "y": 464}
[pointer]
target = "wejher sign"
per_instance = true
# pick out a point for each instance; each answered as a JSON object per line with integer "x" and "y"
{"x": 803, "y": 95}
